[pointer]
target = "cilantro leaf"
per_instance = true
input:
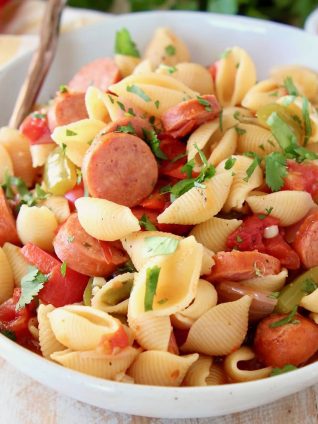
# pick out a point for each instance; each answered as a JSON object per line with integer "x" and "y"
{"x": 230, "y": 162}
{"x": 157, "y": 104}
{"x": 63, "y": 88}
{"x": 151, "y": 138}
{"x": 204, "y": 103}
{"x": 306, "y": 118}
{"x": 124, "y": 44}
{"x": 290, "y": 86}
{"x": 127, "y": 129}
{"x": 152, "y": 277}
{"x": 160, "y": 246}
{"x": 283, "y": 133}
{"x": 188, "y": 168}
{"x": 170, "y": 50}
{"x": 138, "y": 92}
{"x": 275, "y": 170}
{"x": 146, "y": 223}
{"x": 70, "y": 133}
{"x": 31, "y": 284}
{"x": 289, "y": 319}
{"x": 286, "y": 368}
{"x": 88, "y": 293}
{"x": 63, "y": 269}
{"x": 239, "y": 131}
{"x": 255, "y": 163}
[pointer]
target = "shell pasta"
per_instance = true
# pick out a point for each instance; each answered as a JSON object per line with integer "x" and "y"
{"x": 159, "y": 219}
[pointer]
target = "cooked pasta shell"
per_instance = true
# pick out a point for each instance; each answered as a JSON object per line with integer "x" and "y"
{"x": 105, "y": 220}
{"x": 310, "y": 302}
{"x": 152, "y": 332}
{"x": 37, "y": 225}
{"x": 288, "y": 206}
{"x": 95, "y": 102}
{"x": 135, "y": 245}
{"x": 242, "y": 184}
{"x": 6, "y": 166}
{"x": 268, "y": 282}
{"x": 254, "y": 138}
{"x": 165, "y": 47}
{"x": 18, "y": 147}
{"x": 59, "y": 206}
{"x": 40, "y": 152}
{"x": 204, "y": 300}
{"x": 199, "y": 204}
{"x": 182, "y": 268}
{"x": 77, "y": 137}
{"x": 239, "y": 375}
{"x": 18, "y": 263}
{"x": 33, "y": 328}
{"x": 126, "y": 64}
{"x": 123, "y": 378}
{"x": 81, "y": 327}
{"x": 236, "y": 74}
{"x": 225, "y": 148}
{"x": 6, "y": 277}
{"x": 198, "y": 372}
{"x": 193, "y": 75}
{"x": 305, "y": 80}
{"x": 97, "y": 364}
{"x": 113, "y": 296}
{"x": 295, "y": 106}
{"x": 144, "y": 67}
{"x": 48, "y": 342}
{"x": 161, "y": 368}
{"x": 216, "y": 376}
{"x": 214, "y": 232}
{"x": 207, "y": 261}
{"x": 263, "y": 93}
{"x": 220, "y": 330}
{"x": 203, "y": 137}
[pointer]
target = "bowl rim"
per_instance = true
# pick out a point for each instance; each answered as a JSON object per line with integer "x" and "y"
{"x": 10, "y": 348}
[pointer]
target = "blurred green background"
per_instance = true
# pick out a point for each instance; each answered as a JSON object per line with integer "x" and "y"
{"x": 286, "y": 11}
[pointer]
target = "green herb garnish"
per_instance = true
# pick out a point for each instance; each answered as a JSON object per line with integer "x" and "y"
{"x": 152, "y": 277}
{"x": 124, "y": 44}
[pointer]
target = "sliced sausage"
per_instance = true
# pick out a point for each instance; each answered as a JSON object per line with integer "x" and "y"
{"x": 8, "y": 230}
{"x": 183, "y": 118}
{"x": 239, "y": 266}
{"x": 121, "y": 168}
{"x": 82, "y": 252}
{"x": 133, "y": 125}
{"x": 306, "y": 241}
{"x": 292, "y": 343}
{"x": 67, "y": 107}
{"x": 100, "y": 73}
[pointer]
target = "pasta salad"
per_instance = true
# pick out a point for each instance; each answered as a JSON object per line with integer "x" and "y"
{"x": 158, "y": 219}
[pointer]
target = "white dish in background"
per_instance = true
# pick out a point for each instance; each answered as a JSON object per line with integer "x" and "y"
{"x": 311, "y": 24}
{"x": 207, "y": 35}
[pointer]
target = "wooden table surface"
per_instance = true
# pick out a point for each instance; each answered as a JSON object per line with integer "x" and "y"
{"x": 24, "y": 401}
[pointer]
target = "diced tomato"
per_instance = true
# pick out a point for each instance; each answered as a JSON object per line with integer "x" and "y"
{"x": 119, "y": 339}
{"x": 12, "y": 319}
{"x": 213, "y": 69}
{"x": 113, "y": 252}
{"x": 281, "y": 250}
{"x": 169, "y": 228}
{"x": 171, "y": 147}
{"x": 74, "y": 194}
{"x": 303, "y": 177}
{"x": 155, "y": 201}
{"x": 39, "y": 258}
{"x": 59, "y": 290}
{"x": 35, "y": 128}
{"x": 249, "y": 236}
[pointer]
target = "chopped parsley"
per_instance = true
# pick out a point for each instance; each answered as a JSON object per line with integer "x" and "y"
{"x": 239, "y": 131}
{"x": 306, "y": 119}
{"x": 160, "y": 246}
{"x": 146, "y": 223}
{"x": 230, "y": 162}
{"x": 268, "y": 212}
{"x": 63, "y": 89}
{"x": 70, "y": 133}
{"x": 63, "y": 269}
{"x": 121, "y": 105}
{"x": 275, "y": 170}
{"x": 286, "y": 368}
{"x": 157, "y": 104}
{"x": 170, "y": 50}
{"x": 131, "y": 112}
{"x": 290, "y": 86}
{"x": 151, "y": 138}
{"x": 237, "y": 115}
{"x": 38, "y": 115}
{"x": 188, "y": 168}
{"x": 283, "y": 133}
{"x": 152, "y": 277}
{"x": 127, "y": 129}
{"x": 170, "y": 69}
{"x": 287, "y": 320}
{"x": 138, "y": 92}
{"x": 31, "y": 284}
{"x": 162, "y": 301}
{"x": 124, "y": 44}
{"x": 255, "y": 163}
{"x": 204, "y": 103}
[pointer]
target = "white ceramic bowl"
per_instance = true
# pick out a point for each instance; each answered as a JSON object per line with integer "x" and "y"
{"x": 207, "y": 36}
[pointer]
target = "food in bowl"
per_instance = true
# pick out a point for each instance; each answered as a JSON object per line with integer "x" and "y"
{"x": 158, "y": 219}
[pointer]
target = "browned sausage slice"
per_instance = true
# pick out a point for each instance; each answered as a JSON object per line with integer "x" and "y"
{"x": 292, "y": 343}
{"x": 239, "y": 266}
{"x": 121, "y": 168}
{"x": 306, "y": 241}
{"x": 101, "y": 73}
{"x": 183, "y": 118}
{"x": 82, "y": 252}
{"x": 133, "y": 125}
{"x": 67, "y": 107}
{"x": 8, "y": 230}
